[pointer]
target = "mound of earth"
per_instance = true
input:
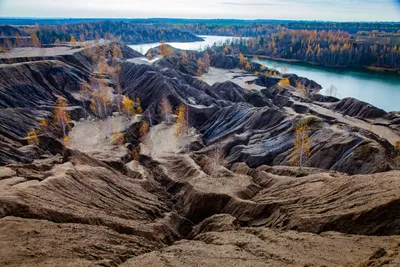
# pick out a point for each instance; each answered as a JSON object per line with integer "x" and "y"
{"x": 179, "y": 210}
{"x": 355, "y": 108}
{"x": 222, "y": 196}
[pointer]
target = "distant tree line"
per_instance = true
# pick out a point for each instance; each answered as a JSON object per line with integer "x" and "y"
{"x": 334, "y": 48}
{"x": 329, "y": 48}
{"x": 132, "y": 33}
{"x": 351, "y": 27}
{"x": 379, "y": 47}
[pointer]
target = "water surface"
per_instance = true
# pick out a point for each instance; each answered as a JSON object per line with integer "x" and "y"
{"x": 377, "y": 88}
{"x": 209, "y": 40}
{"x": 380, "y": 89}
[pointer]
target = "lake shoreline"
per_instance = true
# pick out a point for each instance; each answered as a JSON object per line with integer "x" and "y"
{"x": 378, "y": 88}
{"x": 371, "y": 68}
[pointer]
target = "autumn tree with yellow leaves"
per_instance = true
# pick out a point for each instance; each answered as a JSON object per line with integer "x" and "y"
{"x": 184, "y": 58}
{"x": 19, "y": 42}
{"x": 165, "y": 50}
{"x": 139, "y": 109}
{"x": 284, "y": 82}
{"x": 301, "y": 88}
{"x": 72, "y": 41}
{"x": 206, "y": 61}
{"x": 3, "y": 49}
{"x": 181, "y": 121}
{"x": 117, "y": 51}
{"x": 128, "y": 106}
{"x": 301, "y": 150}
{"x": 101, "y": 66}
{"x": 62, "y": 117}
{"x": 143, "y": 131}
{"x": 242, "y": 60}
{"x": 135, "y": 154}
{"x": 247, "y": 66}
{"x": 32, "y": 137}
{"x": 117, "y": 137}
{"x": 200, "y": 67}
{"x": 34, "y": 41}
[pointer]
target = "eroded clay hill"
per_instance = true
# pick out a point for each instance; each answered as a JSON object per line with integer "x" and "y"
{"x": 169, "y": 211}
{"x": 159, "y": 201}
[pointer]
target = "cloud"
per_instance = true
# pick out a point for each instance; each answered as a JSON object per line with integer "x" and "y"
{"x": 342, "y": 10}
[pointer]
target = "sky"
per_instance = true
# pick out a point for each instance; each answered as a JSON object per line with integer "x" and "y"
{"x": 334, "y": 10}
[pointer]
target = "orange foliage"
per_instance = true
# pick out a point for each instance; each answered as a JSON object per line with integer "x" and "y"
{"x": 185, "y": 58}
{"x": 117, "y": 51}
{"x": 128, "y": 106}
{"x": 144, "y": 130}
{"x": 181, "y": 122}
{"x": 32, "y": 137}
{"x": 247, "y": 66}
{"x": 117, "y": 137}
{"x": 397, "y": 145}
{"x": 139, "y": 109}
{"x": 61, "y": 115}
{"x": 301, "y": 150}
{"x": 165, "y": 50}
{"x": 34, "y": 41}
{"x": 242, "y": 60}
{"x": 284, "y": 82}
{"x": 135, "y": 154}
{"x": 301, "y": 88}
{"x": 206, "y": 61}
{"x": 44, "y": 123}
{"x": 72, "y": 41}
{"x": 200, "y": 67}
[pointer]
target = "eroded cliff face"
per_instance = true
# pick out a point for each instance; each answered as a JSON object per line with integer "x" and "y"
{"x": 154, "y": 202}
{"x": 177, "y": 210}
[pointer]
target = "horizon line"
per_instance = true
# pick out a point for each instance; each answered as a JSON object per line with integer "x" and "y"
{"x": 205, "y": 19}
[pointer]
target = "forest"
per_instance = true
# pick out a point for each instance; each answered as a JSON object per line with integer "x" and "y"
{"x": 328, "y": 48}
{"x": 130, "y": 33}
{"x": 336, "y": 44}
{"x": 335, "y": 47}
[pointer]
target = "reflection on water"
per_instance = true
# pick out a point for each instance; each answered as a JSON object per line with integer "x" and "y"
{"x": 377, "y": 88}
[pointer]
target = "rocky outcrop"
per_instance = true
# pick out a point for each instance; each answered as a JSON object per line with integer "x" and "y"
{"x": 151, "y": 201}
{"x": 356, "y": 108}
{"x": 323, "y": 98}
{"x": 311, "y": 85}
{"x": 265, "y": 136}
{"x": 218, "y": 60}
{"x": 149, "y": 211}
{"x": 266, "y": 247}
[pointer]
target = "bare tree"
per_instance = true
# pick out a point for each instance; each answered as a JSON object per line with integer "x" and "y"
{"x": 332, "y": 91}
{"x": 217, "y": 160}
{"x": 165, "y": 110}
